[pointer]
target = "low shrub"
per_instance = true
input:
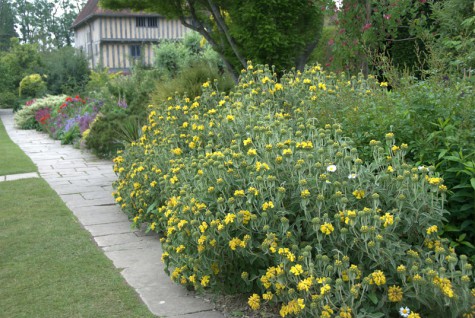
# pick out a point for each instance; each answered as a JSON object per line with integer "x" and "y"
{"x": 125, "y": 101}
{"x": 188, "y": 83}
{"x": 253, "y": 194}
{"x": 32, "y": 86}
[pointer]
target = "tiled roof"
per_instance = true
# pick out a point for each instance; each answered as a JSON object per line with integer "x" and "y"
{"x": 92, "y": 9}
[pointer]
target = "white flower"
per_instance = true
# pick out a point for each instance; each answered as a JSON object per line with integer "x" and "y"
{"x": 352, "y": 176}
{"x": 331, "y": 168}
{"x": 404, "y": 311}
{"x": 422, "y": 168}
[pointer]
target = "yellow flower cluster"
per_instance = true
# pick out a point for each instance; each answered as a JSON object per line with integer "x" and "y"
{"x": 327, "y": 228}
{"x": 294, "y": 307}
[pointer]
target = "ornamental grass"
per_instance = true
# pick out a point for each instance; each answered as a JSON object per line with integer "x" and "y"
{"x": 252, "y": 193}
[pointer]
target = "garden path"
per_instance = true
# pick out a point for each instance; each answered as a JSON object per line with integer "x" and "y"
{"x": 84, "y": 183}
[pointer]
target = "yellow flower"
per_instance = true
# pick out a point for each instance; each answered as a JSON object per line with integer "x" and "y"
{"x": 305, "y": 284}
{"x": 252, "y": 152}
{"x": 326, "y": 228}
{"x": 279, "y": 87}
{"x": 261, "y": 166}
{"x": 239, "y": 193}
{"x": 390, "y": 169}
{"x": 414, "y": 315}
{"x": 345, "y": 312}
{"x": 388, "y": 219}
{"x": 253, "y": 190}
{"x": 378, "y": 278}
{"x": 247, "y": 141}
{"x": 234, "y": 243}
{"x": 389, "y": 135}
{"x": 359, "y": 194}
{"x": 287, "y": 152}
{"x": 401, "y": 269}
{"x": 445, "y": 286}
{"x": 267, "y": 205}
{"x": 230, "y": 117}
{"x": 395, "y": 294}
{"x": 267, "y": 296}
{"x": 254, "y": 301}
{"x": 383, "y": 84}
{"x": 305, "y": 193}
{"x": 205, "y": 281}
{"x": 432, "y": 229}
{"x": 229, "y": 218}
{"x": 434, "y": 181}
{"x": 177, "y": 151}
{"x": 296, "y": 270}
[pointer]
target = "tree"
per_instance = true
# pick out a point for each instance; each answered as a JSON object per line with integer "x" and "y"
{"x": 7, "y": 24}
{"x": 45, "y": 22}
{"x": 66, "y": 70}
{"x": 280, "y": 33}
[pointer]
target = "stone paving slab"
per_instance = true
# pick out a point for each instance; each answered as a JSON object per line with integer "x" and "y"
{"x": 84, "y": 183}
{"x": 19, "y": 176}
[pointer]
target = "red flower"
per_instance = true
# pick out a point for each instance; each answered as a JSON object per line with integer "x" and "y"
{"x": 69, "y": 99}
{"x": 367, "y": 26}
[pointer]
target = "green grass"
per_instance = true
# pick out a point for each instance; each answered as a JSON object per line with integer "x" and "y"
{"x": 12, "y": 158}
{"x": 49, "y": 266}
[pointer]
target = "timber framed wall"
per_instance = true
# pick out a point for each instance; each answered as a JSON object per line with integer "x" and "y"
{"x": 116, "y": 39}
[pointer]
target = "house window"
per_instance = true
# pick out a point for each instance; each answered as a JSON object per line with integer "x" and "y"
{"x": 153, "y": 22}
{"x": 135, "y": 51}
{"x": 140, "y": 22}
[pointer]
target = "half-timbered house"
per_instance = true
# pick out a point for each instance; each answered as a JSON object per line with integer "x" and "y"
{"x": 115, "y": 39}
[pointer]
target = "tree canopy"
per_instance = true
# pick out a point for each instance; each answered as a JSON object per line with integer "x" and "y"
{"x": 46, "y": 22}
{"x": 280, "y": 33}
{"x": 7, "y": 24}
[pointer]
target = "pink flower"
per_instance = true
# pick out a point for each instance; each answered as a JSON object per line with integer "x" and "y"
{"x": 387, "y": 16}
{"x": 367, "y": 26}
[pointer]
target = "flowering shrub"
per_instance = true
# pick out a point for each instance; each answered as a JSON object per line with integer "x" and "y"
{"x": 71, "y": 119}
{"x": 252, "y": 194}
{"x": 64, "y": 118}
{"x": 25, "y": 117}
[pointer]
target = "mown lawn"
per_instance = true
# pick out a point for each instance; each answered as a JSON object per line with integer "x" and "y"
{"x": 49, "y": 266}
{"x": 12, "y": 158}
